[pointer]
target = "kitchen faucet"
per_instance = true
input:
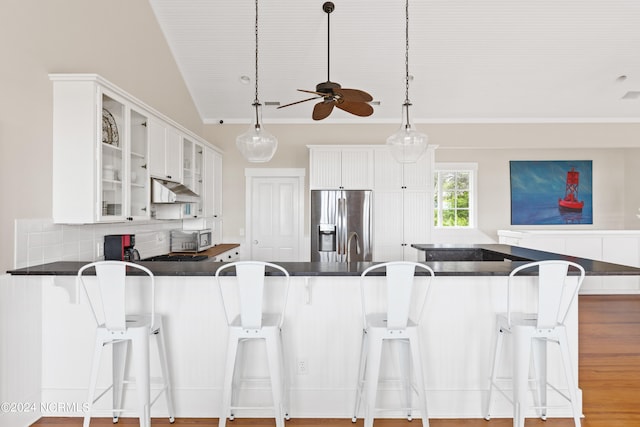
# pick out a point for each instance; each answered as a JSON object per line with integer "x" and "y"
{"x": 351, "y": 236}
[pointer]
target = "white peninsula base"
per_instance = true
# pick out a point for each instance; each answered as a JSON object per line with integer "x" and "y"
{"x": 322, "y": 331}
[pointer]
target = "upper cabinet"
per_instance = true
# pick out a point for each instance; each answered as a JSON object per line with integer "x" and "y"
{"x": 336, "y": 167}
{"x": 212, "y": 184}
{"x": 392, "y": 175}
{"x": 165, "y": 152}
{"x": 106, "y": 146}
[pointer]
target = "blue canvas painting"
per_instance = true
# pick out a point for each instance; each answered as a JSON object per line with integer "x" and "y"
{"x": 551, "y": 192}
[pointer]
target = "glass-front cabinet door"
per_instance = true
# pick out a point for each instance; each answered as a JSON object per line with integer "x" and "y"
{"x": 139, "y": 182}
{"x": 112, "y": 159}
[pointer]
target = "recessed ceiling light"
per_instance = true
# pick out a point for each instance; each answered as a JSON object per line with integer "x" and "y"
{"x": 245, "y": 80}
{"x": 632, "y": 94}
{"x": 621, "y": 78}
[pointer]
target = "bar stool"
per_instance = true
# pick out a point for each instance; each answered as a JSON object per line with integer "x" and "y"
{"x": 117, "y": 328}
{"x": 396, "y": 323}
{"x": 253, "y": 322}
{"x": 532, "y": 331}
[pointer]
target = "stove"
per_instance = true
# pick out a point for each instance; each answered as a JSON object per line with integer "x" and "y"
{"x": 177, "y": 258}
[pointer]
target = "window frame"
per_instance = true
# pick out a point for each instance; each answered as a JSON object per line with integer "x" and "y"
{"x": 472, "y": 169}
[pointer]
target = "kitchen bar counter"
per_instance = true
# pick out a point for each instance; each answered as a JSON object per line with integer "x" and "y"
{"x": 322, "y": 330}
{"x": 446, "y": 260}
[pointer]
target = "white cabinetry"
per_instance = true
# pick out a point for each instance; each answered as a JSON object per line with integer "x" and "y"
{"x": 165, "y": 151}
{"x": 402, "y": 193}
{"x": 100, "y": 153}
{"x": 403, "y": 210}
{"x": 337, "y": 167}
{"x": 107, "y": 144}
{"x": 212, "y": 184}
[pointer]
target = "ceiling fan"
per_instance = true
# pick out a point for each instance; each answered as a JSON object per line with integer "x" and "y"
{"x": 352, "y": 101}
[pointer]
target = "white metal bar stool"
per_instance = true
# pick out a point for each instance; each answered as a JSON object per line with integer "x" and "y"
{"x": 395, "y": 323}
{"x": 254, "y": 322}
{"x": 117, "y": 328}
{"x": 532, "y": 331}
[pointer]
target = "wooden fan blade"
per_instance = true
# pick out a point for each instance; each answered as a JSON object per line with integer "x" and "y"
{"x": 361, "y": 109}
{"x": 354, "y": 95}
{"x": 322, "y": 110}
{"x": 317, "y": 93}
{"x": 298, "y": 102}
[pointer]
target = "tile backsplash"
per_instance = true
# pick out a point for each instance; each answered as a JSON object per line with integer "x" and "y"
{"x": 39, "y": 241}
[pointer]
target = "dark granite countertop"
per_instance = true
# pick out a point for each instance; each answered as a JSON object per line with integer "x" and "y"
{"x": 491, "y": 263}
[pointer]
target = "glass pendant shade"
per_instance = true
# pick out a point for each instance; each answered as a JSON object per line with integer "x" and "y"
{"x": 407, "y": 144}
{"x": 257, "y": 145}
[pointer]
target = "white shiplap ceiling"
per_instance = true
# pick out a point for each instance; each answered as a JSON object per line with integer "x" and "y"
{"x": 471, "y": 60}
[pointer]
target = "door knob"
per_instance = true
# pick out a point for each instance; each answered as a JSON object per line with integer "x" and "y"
{"x": 255, "y": 242}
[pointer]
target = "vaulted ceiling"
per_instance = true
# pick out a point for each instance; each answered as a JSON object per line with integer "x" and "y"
{"x": 470, "y": 60}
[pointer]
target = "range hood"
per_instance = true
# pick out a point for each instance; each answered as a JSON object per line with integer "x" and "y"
{"x": 163, "y": 191}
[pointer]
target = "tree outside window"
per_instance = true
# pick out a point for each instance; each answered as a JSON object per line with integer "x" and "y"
{"x": 452, "y": 190}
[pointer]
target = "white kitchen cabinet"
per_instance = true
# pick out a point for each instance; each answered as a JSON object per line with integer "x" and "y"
{"x": 100, "y": 153}
{"x": 106, "y": 145}
{"x": 212, "y": 202}
{"x": 138, "y": 182}
{"x": 403, "y": 205}
{"x": 338, "y": 167}
{"x": 165, "y": 151}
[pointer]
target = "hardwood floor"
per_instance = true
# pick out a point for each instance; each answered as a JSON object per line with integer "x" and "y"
{"x": 609, "y": 377}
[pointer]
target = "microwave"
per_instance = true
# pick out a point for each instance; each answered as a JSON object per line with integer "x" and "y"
{"x": 191, "y": 240}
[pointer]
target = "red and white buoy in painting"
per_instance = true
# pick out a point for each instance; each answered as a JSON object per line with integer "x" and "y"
{"x": 570, "y": 202}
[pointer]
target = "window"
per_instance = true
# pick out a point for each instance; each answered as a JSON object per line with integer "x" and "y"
{"x": 454, "y": 195}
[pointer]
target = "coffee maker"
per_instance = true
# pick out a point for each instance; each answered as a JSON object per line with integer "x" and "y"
{"x": 120, "y": 247}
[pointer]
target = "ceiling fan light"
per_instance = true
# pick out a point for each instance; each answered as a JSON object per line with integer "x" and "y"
{"x": 257, "y": 145}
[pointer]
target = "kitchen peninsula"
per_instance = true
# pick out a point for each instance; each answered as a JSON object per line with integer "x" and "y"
{"x": 322, "y": 328}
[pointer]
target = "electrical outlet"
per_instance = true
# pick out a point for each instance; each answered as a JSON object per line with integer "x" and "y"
{"x": 303, "y": 366}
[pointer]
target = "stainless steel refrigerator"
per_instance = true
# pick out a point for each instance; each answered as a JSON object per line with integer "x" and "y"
{"x": 341, "y": 225}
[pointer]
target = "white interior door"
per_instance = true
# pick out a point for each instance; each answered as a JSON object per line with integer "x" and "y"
{"x": 276, "y": 208}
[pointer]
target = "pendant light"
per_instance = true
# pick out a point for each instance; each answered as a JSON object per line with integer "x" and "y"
{"x": 407, "y": 144}
{"x": 256, "y": 144}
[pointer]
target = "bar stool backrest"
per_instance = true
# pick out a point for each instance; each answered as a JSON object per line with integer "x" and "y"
{"x": 555, "y": 294}
{"x": 250, "y": 276}
{"x": 109, "y": 309}
{"x": 399, "y": 291}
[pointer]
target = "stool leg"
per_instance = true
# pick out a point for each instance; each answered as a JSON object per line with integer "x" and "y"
{"x": 162, "y": 353}
{"x": 361, "y": 371}
{"x": 497, "y": 355}
{"x": 232, "y": 349}
{"x": 119, "y": 360}
{"x": 521, "y": 359}
{"x": 374, "y": 355}
{"x": 539, "y": 347}
{"x": 140, "y": 350}
{"x": 285, "y": 377}
{"x": 568, "y": 372}
{"x": 95, "y": 366}
{"x": 418, "y": 373}
{"x": 275, "y": 373}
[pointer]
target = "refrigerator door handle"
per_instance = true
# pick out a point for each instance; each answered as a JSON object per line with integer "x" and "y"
{"x": 341, "y": 227}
